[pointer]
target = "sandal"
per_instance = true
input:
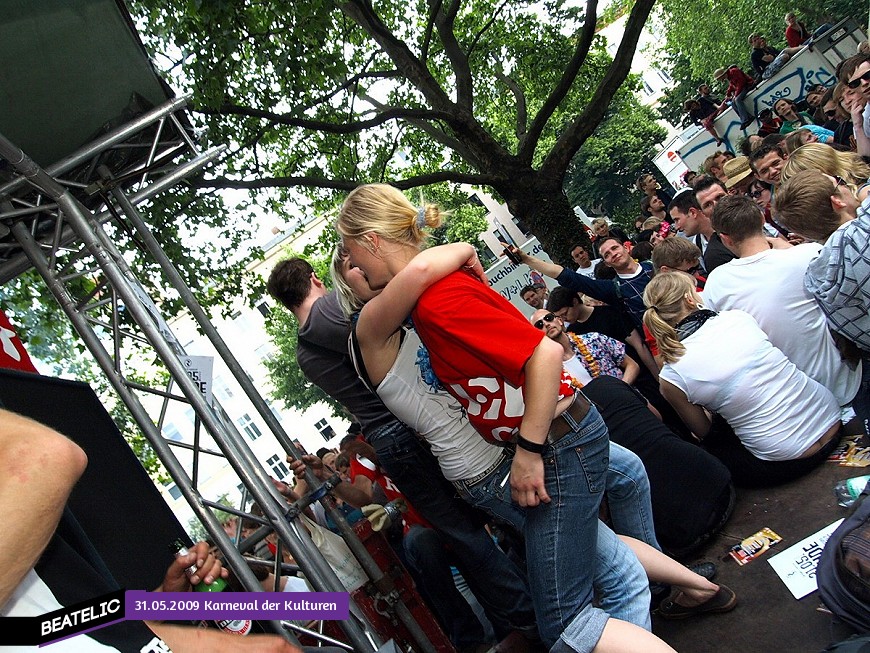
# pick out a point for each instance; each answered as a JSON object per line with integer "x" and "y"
{"x": 724, "y": 600}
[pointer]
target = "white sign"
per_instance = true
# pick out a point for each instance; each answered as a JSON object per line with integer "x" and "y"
{"x": 199, "y": 369}
{"x": 508, "y": 279}
{"x": 796, "y": 566}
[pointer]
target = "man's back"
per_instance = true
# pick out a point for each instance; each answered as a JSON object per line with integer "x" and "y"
{"x": 770, "y": 287}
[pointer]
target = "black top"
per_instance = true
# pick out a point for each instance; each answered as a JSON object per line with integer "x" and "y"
{"x": 686, "y": 482}
{"x": 608, "y": 320}
{"x": 322, "y": 354}
{"x": 758, "y": 63}
{"x": 716, "y": 254}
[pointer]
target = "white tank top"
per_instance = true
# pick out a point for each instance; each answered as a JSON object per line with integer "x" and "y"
{"x": 436, "y": 415}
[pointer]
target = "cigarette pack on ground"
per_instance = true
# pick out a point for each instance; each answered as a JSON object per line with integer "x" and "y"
{"x": 848, "y": 453}
{"x": 753, "y": 546}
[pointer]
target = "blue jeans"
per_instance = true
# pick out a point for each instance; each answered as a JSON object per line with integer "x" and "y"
{"x": 562, "y": 535}
{"x": 498, "y": 583}
{"x": 629, "y": 497}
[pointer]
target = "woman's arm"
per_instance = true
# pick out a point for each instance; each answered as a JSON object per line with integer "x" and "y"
{"x": 630, "y": 370}
{"x": 383, "y": 315}
{"x": 695, "y": 417}
{"x": 543, "y": 371}
{"x": 643, "y": 352}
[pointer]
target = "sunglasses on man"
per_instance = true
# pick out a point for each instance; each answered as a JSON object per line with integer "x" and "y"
{"x": 548, "y": 318}
{"x": 855, "y": 83}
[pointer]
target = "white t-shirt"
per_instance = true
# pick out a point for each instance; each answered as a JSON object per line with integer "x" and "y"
{"x": 590, "y": 271}
{"x": 770, "y": 287}
{"x": 731, "y": 368}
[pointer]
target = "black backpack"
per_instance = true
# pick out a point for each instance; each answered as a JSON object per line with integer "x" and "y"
{"x": 843, "y": 573}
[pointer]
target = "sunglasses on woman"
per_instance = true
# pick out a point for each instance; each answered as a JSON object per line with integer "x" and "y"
{"x": 830, "y": 113}
{"x": 855, "y": 83}
{"x": 755, "y": 194}
{"x": 549, "y": 317}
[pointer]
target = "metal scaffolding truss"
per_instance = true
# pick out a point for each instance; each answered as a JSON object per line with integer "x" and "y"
{"x": 50, "y": 227}
{"x": 75, "y": 221}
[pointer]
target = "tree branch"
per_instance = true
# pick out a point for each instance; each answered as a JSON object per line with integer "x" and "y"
{"x": 583, "y": 125}
{"x": 385, "y": 115}
{"x": 527, "y": 146}
{"x": 342, "y": 184}
{"x": 436, "y": 133}
{"x": 411, "y": 67}
{"x": 522, "y": 111}
{"x": 483, "y": 29}
{"x": 430, "y": 24}
{"x": 444, "y": 22}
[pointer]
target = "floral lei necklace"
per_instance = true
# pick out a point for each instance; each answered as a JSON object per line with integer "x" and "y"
{"x": 583, "y": 353}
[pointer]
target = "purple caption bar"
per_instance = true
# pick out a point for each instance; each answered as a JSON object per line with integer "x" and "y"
{"x": 190, "y": 606}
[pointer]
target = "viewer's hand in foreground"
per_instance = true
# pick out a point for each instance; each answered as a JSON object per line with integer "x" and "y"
{"x": 208, "y": 569}
{"x": 527, "y": 479}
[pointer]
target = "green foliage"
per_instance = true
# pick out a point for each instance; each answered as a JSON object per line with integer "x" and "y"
{"x": 703, "y": 37}
{"x": 195, "y": 528}
{"x": 322, "y": 96}
{"x": 602, "y": 176}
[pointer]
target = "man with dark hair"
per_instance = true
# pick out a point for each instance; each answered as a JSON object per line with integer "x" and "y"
{"x": 581, "y": 256}
{"x": 625, "y": 291}
{"x": 767, "y": 162}
{"x": 694, "y": 222}
{"x": 534, "y": 295}
{"x": 289, "y": 282}
{"x": 769, "y": 285}
{"x": 323, "y": 356}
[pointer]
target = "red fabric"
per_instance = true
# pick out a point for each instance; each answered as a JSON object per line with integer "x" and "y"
{"x": 365, "y": 467}
{"x": 737, "y": 81}
{"x": 12, "y": 353}
{"x": 796, "y": 36}
{"x": 479, "y": 344}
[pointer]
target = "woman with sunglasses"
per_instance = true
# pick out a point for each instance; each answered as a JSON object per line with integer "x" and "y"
{"x": 846, "y": 165}
{"x": 770, "y": 423}
{"x": 508, "y": 378}
{"x": 761, "y": 193}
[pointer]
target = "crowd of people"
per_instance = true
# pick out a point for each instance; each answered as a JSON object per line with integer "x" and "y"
{"x": 820, "y": 113}
{"x": 567, "y": 467}
{"x": 621, "y": 358}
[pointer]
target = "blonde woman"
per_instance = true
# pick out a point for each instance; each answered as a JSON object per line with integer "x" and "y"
{"x": 848, "y": 166}
{"x": 508, "y": 378}
{"x": 770, "y": 422}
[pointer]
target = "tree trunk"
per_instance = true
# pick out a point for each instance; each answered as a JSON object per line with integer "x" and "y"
{"x": 544, "y": 209}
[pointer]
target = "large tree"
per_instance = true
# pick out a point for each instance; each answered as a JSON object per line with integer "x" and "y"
{"x": 326, "y": 95}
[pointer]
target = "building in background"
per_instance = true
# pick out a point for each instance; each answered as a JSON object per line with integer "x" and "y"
{"x": 245, "y": 334}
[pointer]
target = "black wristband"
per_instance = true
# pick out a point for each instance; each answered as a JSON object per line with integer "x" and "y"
{"x": 528, "y": 445}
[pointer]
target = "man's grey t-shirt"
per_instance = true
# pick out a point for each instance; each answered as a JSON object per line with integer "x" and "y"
{"x": 324, "y": 359}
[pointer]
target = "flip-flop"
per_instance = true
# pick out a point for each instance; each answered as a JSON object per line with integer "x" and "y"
{"x": 722, "y": 601}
